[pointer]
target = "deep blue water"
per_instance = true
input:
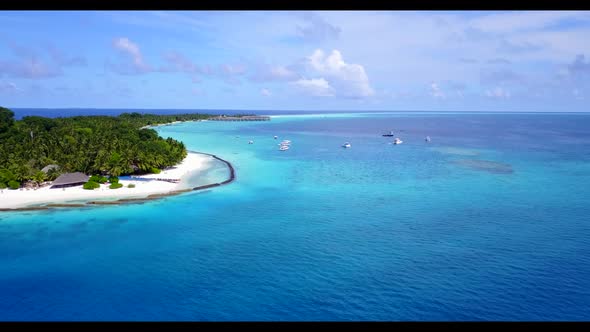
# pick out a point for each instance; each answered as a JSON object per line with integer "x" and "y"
{"x": 488, "y": 221}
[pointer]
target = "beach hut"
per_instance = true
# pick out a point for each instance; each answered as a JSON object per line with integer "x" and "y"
{"x": 70, "y": 180}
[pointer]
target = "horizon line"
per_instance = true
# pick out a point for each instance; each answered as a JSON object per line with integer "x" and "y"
{"x": 282, "y": 110}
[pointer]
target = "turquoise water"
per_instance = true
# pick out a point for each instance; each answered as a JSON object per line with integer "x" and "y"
{"x": 489, "y": 221}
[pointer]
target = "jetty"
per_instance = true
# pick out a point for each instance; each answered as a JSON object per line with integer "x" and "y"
{"x": 240, "y": 118}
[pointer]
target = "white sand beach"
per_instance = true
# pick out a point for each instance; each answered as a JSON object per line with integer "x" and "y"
{"x": 194, "y": 162}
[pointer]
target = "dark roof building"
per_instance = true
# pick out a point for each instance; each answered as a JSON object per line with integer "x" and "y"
{"x": 70, "y": 180}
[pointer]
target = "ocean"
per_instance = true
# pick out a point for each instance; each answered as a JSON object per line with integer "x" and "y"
{"x": 488, "y": 221}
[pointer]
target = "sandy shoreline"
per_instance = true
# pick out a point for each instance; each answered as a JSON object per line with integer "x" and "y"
{"x": 194, "y": 162}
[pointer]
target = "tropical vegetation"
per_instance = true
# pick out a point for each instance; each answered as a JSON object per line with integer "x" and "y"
{"x": 101, "y": 145}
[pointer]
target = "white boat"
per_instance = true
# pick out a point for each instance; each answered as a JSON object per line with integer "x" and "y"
{"x": 284, "y": 148}
{"x": 286, "y": 142}
{"x": 346, "y": 145}
{"x": 427, "y": 139}
{"x": 276, "y": 137}
{"x": 250, "y": 142}
{"x": 397, "y": 141}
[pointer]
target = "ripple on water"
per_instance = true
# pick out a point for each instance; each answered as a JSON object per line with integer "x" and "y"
{"x": 485, "y": 165}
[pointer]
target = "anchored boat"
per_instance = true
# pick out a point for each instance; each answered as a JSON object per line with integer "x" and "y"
{"x": 388, "y": 135}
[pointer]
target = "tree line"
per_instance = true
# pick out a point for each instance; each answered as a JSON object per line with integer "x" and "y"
{"x": 107, "y": 145}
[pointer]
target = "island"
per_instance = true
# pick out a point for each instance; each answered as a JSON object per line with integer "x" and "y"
{"x": 48, "y": 162}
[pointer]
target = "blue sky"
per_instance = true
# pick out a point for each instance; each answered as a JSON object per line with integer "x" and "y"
{"x": 328, "y": 60}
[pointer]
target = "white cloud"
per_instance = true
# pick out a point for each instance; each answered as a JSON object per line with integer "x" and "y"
{"x": 127, "y": 46}
{"x": 63, "y": 60}
{"x": 8, "y": 87}
{"x": 229, "y": 69}
{"x": 132, "y": 50}
{"x": 498, "y": 93}
{"x": 499, "y": 61}
{"x": 231, "y": 73}
{"x": 579, "y": 66}
{"x": 279, "y": 73}
{"x": 178, "y": 62}
{"x": 317, "y": 87}
{"x": 579, "y": 95}
{"x": 348, "y": 80}
{"x": 265, "y": 92}
{"x": 436, "y": 92}
{"x": 318, "y": 29}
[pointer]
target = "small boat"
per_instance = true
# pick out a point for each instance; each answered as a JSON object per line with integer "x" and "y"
{"x": 397, "y": 141}
{"x": 427, "y": 139}
{"x": 250, "y": 142}
{"x": 388, "y": 135}
{"x": 286, "y": 142}
{"x": 284, "y": 148}
{"x": 276, "y": 137}
{"x": 346, "y": 145}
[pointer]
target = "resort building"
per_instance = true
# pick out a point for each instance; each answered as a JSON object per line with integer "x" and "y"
{"x": 70, "y": 180}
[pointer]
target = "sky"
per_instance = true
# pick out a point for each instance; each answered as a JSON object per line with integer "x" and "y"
{"x": 296, "y": 60}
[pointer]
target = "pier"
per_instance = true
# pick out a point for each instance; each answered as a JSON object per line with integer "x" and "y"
{"x": 240, "y": 118}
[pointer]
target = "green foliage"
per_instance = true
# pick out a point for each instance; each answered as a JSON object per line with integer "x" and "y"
{"x": 89, "y": 144}
{"x": 3, "y": 185}
{"x": 53, "y": 174}
{"x": 39, "y": 177}
{"x": 85, "y": 131}
{"x": 98, "y": 179}
{"x": 91, "y": 185}
{"x": 38, "y": 123}
{"x": 6, "y": 119}
{"x": 131, "y": 185}
{"x": 6, "y": 176}
{"x": 115, "y": 185}
{"x": 113, "y": 179}
{"x": 13, "y": 185}
{"x": 155, "y": 170}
